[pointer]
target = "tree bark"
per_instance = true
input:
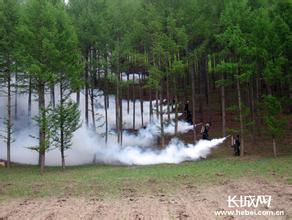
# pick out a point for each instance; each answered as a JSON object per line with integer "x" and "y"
{"x": 29, "y": 97}
{"x": 63, "y": 157}
{"x": 86, "y": 89}
{"x": 192, "y": 73}
{"x": 78, "y": 96}
{"x": 92, "y": 109}
{"x": 16, "y": 96}
{"x": 200, "y": 72}
{"x": 223, "y": 107}
{"x": 53, "y": 95}
{"x": 157, "y": 106}
{"x": 118, "y": 111}
{"x": 162, "y": 141}
{"x": 167, "y": 97}
{"x": 240, "y": 115}
{"x": 134, "y": 103}
{"x": 128, "y": 95}
{"x": 150, "y": 105}
{"x": 105, "y": 94}
{"x": 121, "y": 120}
{"x": 274, "y": 147}
{"x": 252, "y": 109}
{"x": 141, "y": 101}
{"x": 62, "y": 128}
{"x": 42, "y": 130}
{"x": 9, "y": 118}
{"x": 106, "y": 118}
{"x": 207, "y": 87}
{"x": 176, "y": 109}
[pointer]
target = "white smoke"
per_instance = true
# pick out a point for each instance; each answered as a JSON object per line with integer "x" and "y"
{"x": 137, "y": 149}
{"x": 175, "y": 152}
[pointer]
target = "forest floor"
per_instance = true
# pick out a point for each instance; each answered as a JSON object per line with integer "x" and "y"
{"x": 191, "y": 190}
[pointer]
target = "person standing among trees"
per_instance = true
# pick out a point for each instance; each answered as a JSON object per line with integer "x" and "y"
{"x": 236, "y": 146}
{"x": 186, "y": 108}
{"x": 187, "y": 113}
{"x": 205, "y": 131}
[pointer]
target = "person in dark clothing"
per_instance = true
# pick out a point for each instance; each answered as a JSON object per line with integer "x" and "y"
{"x": 187, "y": 113}
{"x": 186, "y": 109}
{"x": 205, "y": 132}
{"x": 236, "y": 146}
{"x": 173, "y": 104}
{"x": 189, "y": 118}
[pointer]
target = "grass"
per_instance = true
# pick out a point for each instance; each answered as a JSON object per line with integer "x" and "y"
{"x": 111, "y": 181}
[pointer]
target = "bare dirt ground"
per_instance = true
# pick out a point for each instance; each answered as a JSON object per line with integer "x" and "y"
{"x": 188, "y": 202}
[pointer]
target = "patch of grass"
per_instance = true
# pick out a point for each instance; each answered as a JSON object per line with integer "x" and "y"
{"x": 110, "y": 181}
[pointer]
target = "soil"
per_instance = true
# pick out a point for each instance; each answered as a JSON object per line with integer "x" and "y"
{"x": 188, "y": 202}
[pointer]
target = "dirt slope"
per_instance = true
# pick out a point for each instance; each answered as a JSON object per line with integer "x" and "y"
{"x": 189, "y": 202}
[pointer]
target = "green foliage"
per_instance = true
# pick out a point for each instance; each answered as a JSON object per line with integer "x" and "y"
{"x": 177, "y": 68}
{"x": 65, "y": 120}
{"x": 154, "y": 78}
{"x": 226, "y": 67}
{"x": 272, "y": 109}
{"x": 44, "y": 123}
{"x": 245, "y": 115}
{"x": 4, "y": 133}
{"x": 224, "y": 82}
{"x": 243, "y": 40}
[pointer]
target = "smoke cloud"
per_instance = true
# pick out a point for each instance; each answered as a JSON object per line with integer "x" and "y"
{"x": 89, "y": 146}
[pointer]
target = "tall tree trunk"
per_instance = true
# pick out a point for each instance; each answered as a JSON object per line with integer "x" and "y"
{"x": 29, "y": 97}
{"x": 106, "y": 105}
{"x": 92, "y": 109}
{"x": 42, "y": 129}
{"x": 106, "y": 118}
{"x": 192, "y": 73}
{"x": 162, "y": 141}
{"x": 200, "y": 72}
{"x": 157, "y": 106}
{"x": 258, "y": 94}
{"x": 240, "y": 114}
{"x": 150, "y": 106}
{"x": 141, "y": 100}
{"x": 257, "y": 88}
{"x": 16, "y": 96}
{"x": 62, "y": 128}
{"x": 223, "y": 110}
{"x": 176, "y": 110}
{"x": 168, "y": 97}
{"x": 78, "y": 96}
{"x": 118, "y": 106}
{"x": 252, "y": 109}
{"x": 118, "y": 111}
{"x": 290, "y": 96}
{"x": 274, "y": 147}
{"x": 207, "y": 87}
{"x": 128, "y": 95}
{"x": 9, "y": 118}
{"x": 86, "y": 89}
{"x": 105, "y": 92}
{"x": 62, "y": 156}
{"x": 93, "y": 82}
{"x": 134, "y": 103}
{"x": 53, "y": 95}
{"x": 121, "y": 120}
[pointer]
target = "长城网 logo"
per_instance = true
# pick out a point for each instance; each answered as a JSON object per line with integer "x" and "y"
{"x": 250, "y": 201}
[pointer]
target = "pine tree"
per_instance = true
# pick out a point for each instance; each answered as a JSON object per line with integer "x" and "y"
{"x": 50, "y": 56}
{"x": 9, "y": 18}
{"x": 65, "y": 119}
{"x": 271, "y": 111}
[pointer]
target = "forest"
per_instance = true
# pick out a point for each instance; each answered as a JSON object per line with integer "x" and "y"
{"x": 230, "y": 60}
